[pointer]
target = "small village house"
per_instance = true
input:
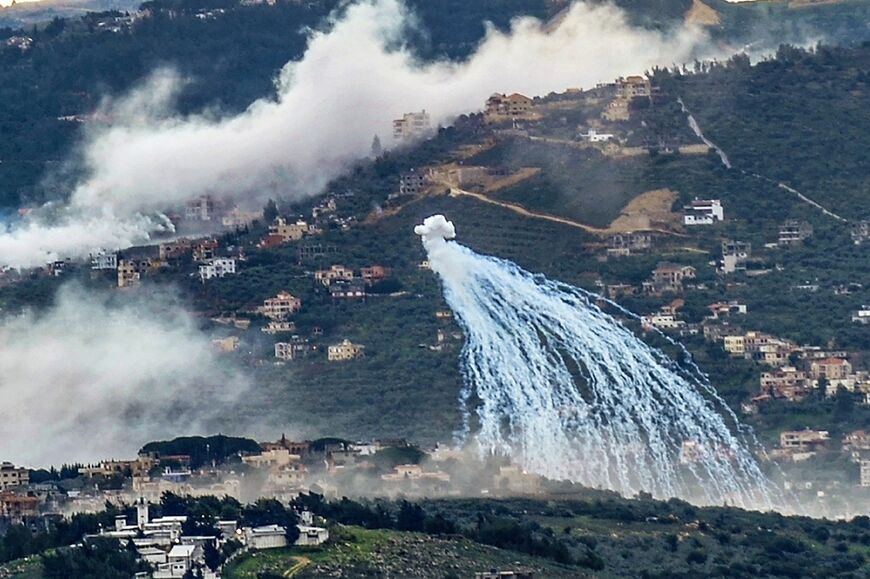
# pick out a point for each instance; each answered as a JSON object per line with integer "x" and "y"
{"x": 500, "y": 107}
{"x": 333, "y": 273}
{"x": 217, "y": 267}
{"x": 345, "y": 350}
{"x": 104, "y": 260}
{"x": 10, "y": 476}
{"x": 280, "y": 306}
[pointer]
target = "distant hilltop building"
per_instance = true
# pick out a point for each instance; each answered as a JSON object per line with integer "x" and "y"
{"x": 500, "y": 107}
{"x": 633, "y": 87}
{"x": 411, "y": 126}
{"x": 703, "y": 212}
{"x": 104, "y": 260}
{"x": 280, "y": 306}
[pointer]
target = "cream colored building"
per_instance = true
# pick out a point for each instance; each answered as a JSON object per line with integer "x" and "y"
{"x": 346, "y": 350}
{"x": 10, "y": 476}
{"x": 288, "y": 231}
{"x": 280, "y": 306}
{"x": 334, "y": 273}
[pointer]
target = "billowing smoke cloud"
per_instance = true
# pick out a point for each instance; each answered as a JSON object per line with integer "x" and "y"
{"x": 348, "y": 87}
{"x": 90, "y": 379}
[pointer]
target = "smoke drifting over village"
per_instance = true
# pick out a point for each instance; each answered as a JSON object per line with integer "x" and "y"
{"x": 348, "y": 87}
{"x": 88, "y": 379}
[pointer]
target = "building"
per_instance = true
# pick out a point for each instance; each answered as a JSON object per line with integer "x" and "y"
{"x": 670, "y": 276}
{"x": 267, "y": 537}
{"x": 174, "y": 249}
{"x": 865, "y": 473}
{"x": 279, "y": 327}
{"x": 703, "y": 212}
{"x": 103, "y": 260}
{"x": 411, "y": 183}
{"x": 411, "y": 126}
{"x": 280, "y": 306}
{"x": 500, "y": 107}
{"x": 787, "y": 382}
{"x": 284, "y": 231}
{"x": 18, "y": 507}
{"x": 860, "y": 232}
{"x": 217, "y": 267}
{"x": 200, "y": 209}
{"x": 623, "y": 244}
{"x": 235, "y": 218}
{"x": 804, "y": 440}
{"x": 10, "y": 476}
{"x": 721, "y": 309}
{"x": 594, "y": 136}
{"x": 333, "y": 273}
{"x": 633, "y": 87}
{"x": 662, "y": 321}
{"x": 311, "y": 536}
{"x": 346, "y": 350}
{"x": 735, "y": 254}
{"x": 767, "y": 349}
{"x": 293, "y": 350}
{"x": 130, "y": 271}
{"x": 830, "y": 369}
{"x": 862, "y": 316}
{"x": 793, "y": 232}
{"x": 374, "y": 273}
{"x": 204, "y": 250}
{"x": 734, "y": 345}
{"x": 348, "y": 290}
{"x": 228, "y": 344}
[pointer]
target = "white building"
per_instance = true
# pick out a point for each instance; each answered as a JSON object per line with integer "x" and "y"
{"x": 703, "y": 212}
{"x": 309, "y": 535}
{"x": 104, "y": 260}
{"x": 865, "y": 473}
{"x": 411, "y": 126}
{"x": 594, "y": 136}
{"x": 217, "y": 267}
{"x": 862, "y": 316}
{"x": 268, "y": 537}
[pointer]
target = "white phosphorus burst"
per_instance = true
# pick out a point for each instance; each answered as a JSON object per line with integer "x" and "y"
{"x": 572, "y": 394}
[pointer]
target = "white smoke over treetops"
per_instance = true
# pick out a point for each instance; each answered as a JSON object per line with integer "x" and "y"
{"x": 350, "y": 84}
{"x": 89, "y": 379}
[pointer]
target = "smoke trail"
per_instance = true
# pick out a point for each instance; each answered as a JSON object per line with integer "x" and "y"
{"x": 573, "y": 394}
{"x": 352, "y": 81}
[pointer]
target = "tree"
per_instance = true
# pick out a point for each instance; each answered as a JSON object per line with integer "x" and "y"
{"x": 377, "y": 149}
{"x": 212, "y": 556}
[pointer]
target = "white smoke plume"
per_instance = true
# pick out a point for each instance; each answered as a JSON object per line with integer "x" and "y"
{"x": 349, "y": 86}
{"x": 90, "y": 379}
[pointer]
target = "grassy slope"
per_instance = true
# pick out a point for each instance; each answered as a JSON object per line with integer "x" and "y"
{"x": 362, "y": 552}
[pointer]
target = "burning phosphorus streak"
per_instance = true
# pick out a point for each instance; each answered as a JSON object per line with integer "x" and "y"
{"x": 572, "y": 394}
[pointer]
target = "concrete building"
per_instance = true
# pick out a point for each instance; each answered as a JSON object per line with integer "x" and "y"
{"x": 333, "y": 273}
{"x": 411, "y": 126}
{"x": 670, "y": 276}
{"x": 204, "y": 250}
{"x": 279, "y": 327}
{"x": 865, "y": 473}
{"x": 411, "y": 183}
{"x": 703, "y": 212}
{"x": 200, "y": 209}
{"x": 793, "y": 232}
{"x": 174, "y": 249}
{"x": 294, "y": 349}
{"x": 130, "y": 271}
{"x": 862, "y": 315}
{"x": 11, "y": 476}
{"x": 348, "y": 290}
{"x": 804, "y": 440}
{"x": 267, "y": 537}
{"x": 288, "y": 231}
{"x": 830, "y": 369}
{"x": 633, "y": 87}
{"x": 500, "y": 107}
{"x": 217, "y": 267}
{"x": 280, "y": 306}
{"x": 787, "y": 382}
{"x": 623, "y": 244}
{"x": 104, "y": 260}
{"x": 346, "y": 350}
